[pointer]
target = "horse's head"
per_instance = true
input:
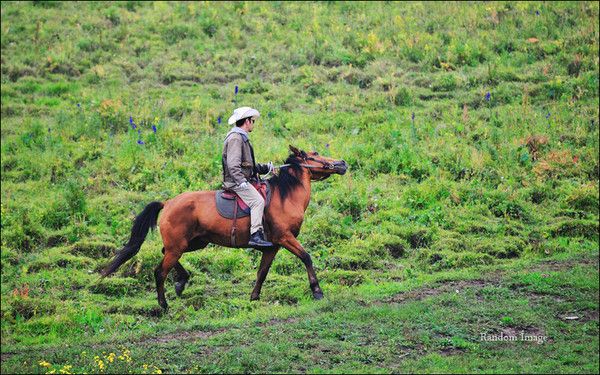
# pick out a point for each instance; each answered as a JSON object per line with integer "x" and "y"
{"x": 320, "y": 167}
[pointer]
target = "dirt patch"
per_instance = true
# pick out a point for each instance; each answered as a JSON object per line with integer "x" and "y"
{"x": 437, "y": 289}
{"x": 451, "y": 351}
{"x": 555, "y": 265}
{"x": 278, "y": 321}
{"x": 180, "y": 336}
{"x": 194, "y": 335}
{"x": 580, "y": 317}
{"x": 492, "y": 280}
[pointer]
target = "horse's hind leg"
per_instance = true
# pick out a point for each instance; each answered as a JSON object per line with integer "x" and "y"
{"x": 170, "y": 259}
{"x": 263, "y": 270}
{"x": 183, "y": 276}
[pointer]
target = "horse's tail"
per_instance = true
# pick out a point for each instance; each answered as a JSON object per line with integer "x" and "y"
{"x": 142, "y": 224}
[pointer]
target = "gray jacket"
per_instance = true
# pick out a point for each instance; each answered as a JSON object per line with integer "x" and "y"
{"x": 238, "y": 160}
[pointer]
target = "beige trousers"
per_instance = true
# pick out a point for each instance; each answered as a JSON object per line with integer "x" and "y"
{"x": 256, "y": 203}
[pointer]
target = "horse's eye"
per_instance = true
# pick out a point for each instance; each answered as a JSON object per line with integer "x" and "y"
{"x": 316, "y": 153}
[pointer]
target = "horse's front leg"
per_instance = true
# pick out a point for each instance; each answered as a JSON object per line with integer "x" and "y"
{"x": 291, "y": 243}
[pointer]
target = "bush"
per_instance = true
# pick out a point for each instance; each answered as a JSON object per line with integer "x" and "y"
{"x": 177, "y": 32}
{"x": 342, "y": 277}
{"x": 584, "y": 198}
{"x": 500, "y": 247}
{"x": 442, "y": 260}
{"x": 116, "y": 286}
{"x": 446, "y": 82}
{"x": 417, "y": 237}
{"x": 28, "y": 307}
{"x": 575, "y": 228}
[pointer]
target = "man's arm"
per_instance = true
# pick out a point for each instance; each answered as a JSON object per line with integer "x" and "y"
{"x": 234, "y": 159}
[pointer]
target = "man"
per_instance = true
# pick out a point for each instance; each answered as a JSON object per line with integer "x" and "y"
{"x": 240, "y": 167}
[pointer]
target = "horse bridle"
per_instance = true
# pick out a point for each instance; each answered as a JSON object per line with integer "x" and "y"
{"x": 324, "y": 165}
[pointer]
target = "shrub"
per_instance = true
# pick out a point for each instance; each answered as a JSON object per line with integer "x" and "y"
{"x": 441, "y": 260}
{"x": 575, "y": 228}
{"x": 343, "y": 277}
{"x": 500, "y": 247}
{"x": 116, "y": 286}
{"x": 446, "y": 82}
{"x": 175, "y": 33}
{"x": 556, "y": 165}
{"x": 28, "y": 307}
{"x": 417, "y": 236}
{"x": 402, "y": 97}
{"x": 94, "y": 249}
{"x": 584, "y": 198}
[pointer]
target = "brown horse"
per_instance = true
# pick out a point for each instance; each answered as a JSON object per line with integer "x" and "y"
{"x": 190, "y": 221}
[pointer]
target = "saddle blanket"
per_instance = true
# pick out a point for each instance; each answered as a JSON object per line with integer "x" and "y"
{"x": 226, "y": 200}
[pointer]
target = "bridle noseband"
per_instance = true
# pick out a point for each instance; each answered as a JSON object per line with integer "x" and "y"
{"x": 324, "y": 165}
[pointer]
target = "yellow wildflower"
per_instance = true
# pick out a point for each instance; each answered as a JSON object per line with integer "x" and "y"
{"x": 45, "y": 364}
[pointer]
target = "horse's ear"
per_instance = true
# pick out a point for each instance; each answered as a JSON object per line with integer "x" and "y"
{"x": 295, "y": 150}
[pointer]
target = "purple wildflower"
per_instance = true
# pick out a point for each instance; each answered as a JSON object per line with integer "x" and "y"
{"x": 154, "y": 128}
{"x": 78, "y": 105}
{"x": 548, "y": 115}
{"x": 537, "y": 12}
{"x": 488, "y": 96}
{"x": 327, "y": 145}
{"x": 412, "y": 116}
{"x": 219, "y": 120}
{"x": 140, "y": 142}
{"x": 139, "y": 131}
{"x": 236, "y": 89}
{"x": 132, "y": 123}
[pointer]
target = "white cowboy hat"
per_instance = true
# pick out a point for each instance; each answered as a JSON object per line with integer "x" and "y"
{"x": 241, "y": 113}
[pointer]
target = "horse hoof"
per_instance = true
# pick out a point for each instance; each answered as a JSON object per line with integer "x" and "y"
{"x": 254, "y": 298}
{"x": 318, "y": 295}
{"x": 179, "y": 287}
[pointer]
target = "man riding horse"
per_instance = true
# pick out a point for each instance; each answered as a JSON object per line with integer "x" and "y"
{"x": 192, "y": 220}
{"x": 240, "y": 169}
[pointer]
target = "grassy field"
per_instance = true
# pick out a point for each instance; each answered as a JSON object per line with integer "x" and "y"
{"x": 470, "y": 210}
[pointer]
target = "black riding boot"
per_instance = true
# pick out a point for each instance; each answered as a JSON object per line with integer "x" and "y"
{"x": 257, "y": 239}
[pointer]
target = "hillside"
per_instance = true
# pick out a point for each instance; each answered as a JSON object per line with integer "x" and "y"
{"x": 471, "y": 134}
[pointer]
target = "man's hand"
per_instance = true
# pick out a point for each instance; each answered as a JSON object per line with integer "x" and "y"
{"x": 271, "y": 167}
{"x": 244, "y": 184}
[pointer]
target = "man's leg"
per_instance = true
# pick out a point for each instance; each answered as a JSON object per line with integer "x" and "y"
{"x": 257, "y": 205}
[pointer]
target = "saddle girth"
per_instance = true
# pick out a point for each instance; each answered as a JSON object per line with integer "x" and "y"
{"x": 233, "y": 225}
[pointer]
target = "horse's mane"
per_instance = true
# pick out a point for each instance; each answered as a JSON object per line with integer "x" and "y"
{"x": 285, "y": 181}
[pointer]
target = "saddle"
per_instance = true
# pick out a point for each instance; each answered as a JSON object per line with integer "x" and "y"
{"x": 231, "y": 206}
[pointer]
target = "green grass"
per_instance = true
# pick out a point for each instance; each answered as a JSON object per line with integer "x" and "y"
{"x": 443, "y": 183}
